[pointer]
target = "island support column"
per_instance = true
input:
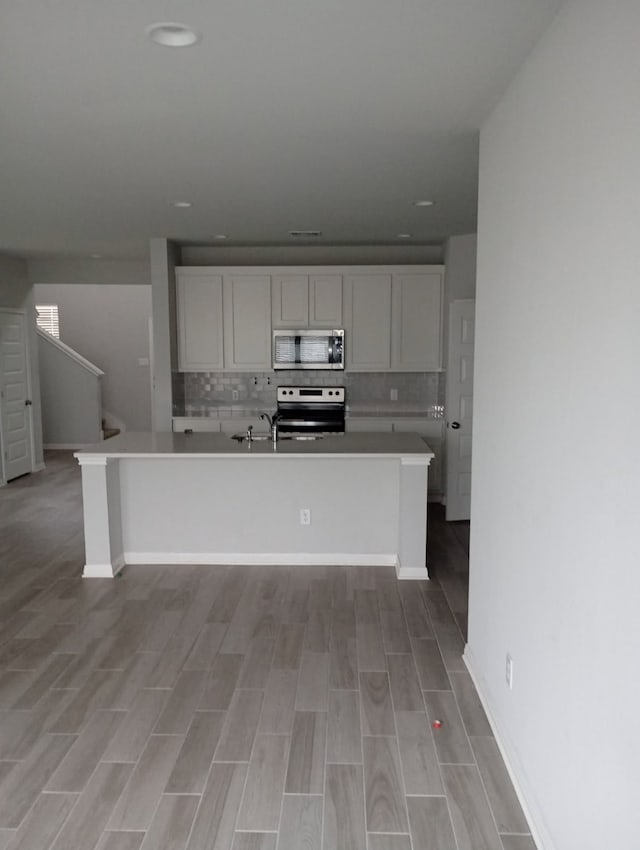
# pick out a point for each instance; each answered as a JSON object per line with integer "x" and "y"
{"x": 102, "y": 516}
{"x": 412, "y": 531}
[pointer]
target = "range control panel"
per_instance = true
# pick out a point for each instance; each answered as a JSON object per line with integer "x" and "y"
{"x": 315, "y": 394}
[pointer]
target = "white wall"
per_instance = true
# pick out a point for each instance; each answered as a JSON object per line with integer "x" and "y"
{"x": 109, "y": 325}
{"x": 555, "y": 552}
{"x": 16, "y": 292}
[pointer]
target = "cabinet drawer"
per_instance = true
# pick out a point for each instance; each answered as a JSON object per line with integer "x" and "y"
{"x": 371, "y": 425}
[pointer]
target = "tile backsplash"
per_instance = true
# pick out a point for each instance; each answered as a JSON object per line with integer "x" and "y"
{"x": 202, "y": 393}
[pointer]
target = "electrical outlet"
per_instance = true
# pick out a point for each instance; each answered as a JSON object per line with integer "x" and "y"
{"x": 235, "y": 395}
{"x": 394, "y": 395}
{"x": 508, "y": 672}
{"x": 305, "y": 516}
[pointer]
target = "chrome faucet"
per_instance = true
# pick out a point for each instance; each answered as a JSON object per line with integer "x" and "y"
{"x": 273, "y": 424}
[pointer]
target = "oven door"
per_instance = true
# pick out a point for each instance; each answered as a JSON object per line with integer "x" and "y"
{"x": 310, "y": 418}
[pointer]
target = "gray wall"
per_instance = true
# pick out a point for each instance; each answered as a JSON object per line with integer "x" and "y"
{"x": 16, "y": 292}
{"x": 307, "y": 255}
{"x": 460, "y": 257}
{"x": 164, "y": 256}
{"x": 71, "y": 398}
{"x": 555, "y": 552}
{"x": 109, "y": 325}
{"x": 460, "y": 272}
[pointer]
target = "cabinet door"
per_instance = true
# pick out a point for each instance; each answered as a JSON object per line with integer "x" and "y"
{"x": 369, "y": 425}
{"x": 247, "y": 322}
{"x": 417, "y": 300}
{"x": 432, "y": 433}
{"x": 290, "y": 301}
{"x": 367, "y": 313}
{"x": 199, "y": 308}
{"x": 325, "y": 301}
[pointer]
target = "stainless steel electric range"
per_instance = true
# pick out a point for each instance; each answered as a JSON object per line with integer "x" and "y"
{"x": 311, "y": 410}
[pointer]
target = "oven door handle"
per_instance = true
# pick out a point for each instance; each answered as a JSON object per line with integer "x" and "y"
{"x": 305, "y": 423}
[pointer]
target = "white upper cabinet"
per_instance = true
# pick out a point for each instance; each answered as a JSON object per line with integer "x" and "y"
{"x": 416, "y": 322}
{"x": 290, "y": 301}
{"x": 367, "y": 314}
{"x": 392, "y": 315}
{"x": 247, "y": 321}
{"x": 199, "y": 315}
{"x": 325, "y": 301}
{"x": 307, "y": 301}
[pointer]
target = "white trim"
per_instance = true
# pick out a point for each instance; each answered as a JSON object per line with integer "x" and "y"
{"x": 104, "y": 570}
{"x": 416, "y": 460}
{"x": 91, "y": 460}
{"x": 515, "y": 769}
{"x": 79, "y": 359}
{"x": 260, "y": 559}
{"x": 412, "y": 573}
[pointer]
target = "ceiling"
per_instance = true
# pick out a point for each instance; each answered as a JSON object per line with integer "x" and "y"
{"x": 334, "y": 116}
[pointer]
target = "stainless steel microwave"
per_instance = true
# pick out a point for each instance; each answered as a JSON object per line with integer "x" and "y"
{"x": 312, "y": 349}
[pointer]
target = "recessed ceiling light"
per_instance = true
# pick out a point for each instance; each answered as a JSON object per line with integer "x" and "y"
{"x": 172, "y": 35}
{"x": 404, "y": 236}
{"x": 220, "y": 236}
{"x": 181, "y": 205}
{"x": 423, "y": 203}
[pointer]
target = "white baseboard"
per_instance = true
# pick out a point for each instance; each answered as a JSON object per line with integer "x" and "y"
{"x": 412, "y": 573}
{"x": 286, "y": 559}
{"x": 514, "y": 766}
{"x": 104, "y": 570}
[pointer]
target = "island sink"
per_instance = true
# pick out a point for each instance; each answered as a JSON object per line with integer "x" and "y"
{"x": 242, "y": 438}
{"x": 184, "y": 499}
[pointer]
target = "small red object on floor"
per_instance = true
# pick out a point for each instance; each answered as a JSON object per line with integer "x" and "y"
{"x": 437, "y": 724}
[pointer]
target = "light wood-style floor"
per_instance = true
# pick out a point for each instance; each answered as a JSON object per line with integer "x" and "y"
{"x": 235, "y": 708}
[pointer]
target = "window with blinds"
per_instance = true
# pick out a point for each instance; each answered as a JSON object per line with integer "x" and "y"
{"x": 47, "y": 319}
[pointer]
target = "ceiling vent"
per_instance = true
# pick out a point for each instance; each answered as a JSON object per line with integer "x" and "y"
{"x": 305, "y": 233}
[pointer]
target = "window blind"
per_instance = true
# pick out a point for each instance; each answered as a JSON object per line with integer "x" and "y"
{"x": 47, "y": 319}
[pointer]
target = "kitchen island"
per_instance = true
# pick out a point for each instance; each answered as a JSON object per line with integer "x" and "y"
{"x": 167, "y": 498}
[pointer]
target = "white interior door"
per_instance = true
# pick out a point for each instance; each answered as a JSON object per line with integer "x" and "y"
{"x": 459, "y": 405}
{"x": 15, "y": 420}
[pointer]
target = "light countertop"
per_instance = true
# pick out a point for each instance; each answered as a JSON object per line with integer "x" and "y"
{"x": 390, "y": 410}
{"x": 209, "y": 445}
